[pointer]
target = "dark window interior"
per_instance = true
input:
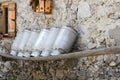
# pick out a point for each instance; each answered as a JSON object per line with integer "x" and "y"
{"x": 0, "y": 25}
{"x": 34, "y": 4}
{"x": 6, "y": 20}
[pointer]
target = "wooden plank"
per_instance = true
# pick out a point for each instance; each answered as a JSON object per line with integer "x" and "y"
{"x": 95, "y": 52}
{"x": 11, "y": 19}
{"x": 0, "y": 24}
{"x": 42, "y": 5}
{"x": 1, "y": 36}
{"x": 0, "y": 20}
{"x": 48, "y": 6}
{"x": 3, "y": 18}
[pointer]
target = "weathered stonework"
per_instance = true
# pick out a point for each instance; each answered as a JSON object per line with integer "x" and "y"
{"x": 97, "y": 21}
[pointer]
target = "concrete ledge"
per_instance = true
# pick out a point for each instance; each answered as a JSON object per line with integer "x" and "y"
{"x": 94, "y": 52}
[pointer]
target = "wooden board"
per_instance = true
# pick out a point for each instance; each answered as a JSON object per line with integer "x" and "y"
{"x": 48, "y": 6}
{"x": 11, "y": 19}
{"x": 42, "y": 5}
{"x": 0, "y": 22}
{"x": 73, "y": 55}
{"x": 3, "y": 6}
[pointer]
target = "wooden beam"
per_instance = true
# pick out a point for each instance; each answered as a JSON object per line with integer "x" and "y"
{"x": 42, "y": 5}
{"x": 94, "y": 52}
{"x": 12, "y": 19}
{"x": 48, "y": 6}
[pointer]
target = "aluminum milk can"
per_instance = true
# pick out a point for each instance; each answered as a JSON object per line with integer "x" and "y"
{"x": 50, "y": 41}
{"x": 64, "y": 41}
{"x": 29, "y": 46}
{"x": 39, "y": 44}
{"x": 25, "y": 38}
{"x": 16, "y": 43}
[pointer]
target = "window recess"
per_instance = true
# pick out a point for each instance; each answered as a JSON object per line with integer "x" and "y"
{"x": 8, "y": 20}
{"x": 43, "y": 6}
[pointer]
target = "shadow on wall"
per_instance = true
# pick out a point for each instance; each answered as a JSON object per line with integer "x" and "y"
{"x": 114, "y": 34}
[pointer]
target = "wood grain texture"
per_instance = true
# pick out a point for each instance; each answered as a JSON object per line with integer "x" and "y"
{"x": 48, "y": 6}
{"x": 12, "y": 19}
{"x": 73, "y": 55}
{"x": 42, "y": 5}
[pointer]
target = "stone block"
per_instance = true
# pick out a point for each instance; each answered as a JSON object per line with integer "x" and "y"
{"x": 83, "y": 10}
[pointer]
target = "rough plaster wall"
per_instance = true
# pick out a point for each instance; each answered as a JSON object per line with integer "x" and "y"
{"x": 97, "y": 21}
{"x": 91, "y": 18}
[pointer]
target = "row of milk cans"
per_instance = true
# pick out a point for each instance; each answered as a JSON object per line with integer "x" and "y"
{"x": 44, "y": 42}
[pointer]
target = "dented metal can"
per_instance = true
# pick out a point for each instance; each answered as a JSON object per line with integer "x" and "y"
{"x": 64, "y": 41}
{"x": 25, "y": 38}
{"x": 50, "y": 41}
{"x": 29, "y": 45}
{"x": 39, "y": 44}
{"x": 16, "y": 43}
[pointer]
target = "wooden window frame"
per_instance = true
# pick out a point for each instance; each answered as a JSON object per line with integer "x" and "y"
{"x": 11, "y": 20}
{"x": 44, "y": 6}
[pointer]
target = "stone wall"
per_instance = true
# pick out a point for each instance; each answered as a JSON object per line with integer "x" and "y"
{"x": 98, "y": 24}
